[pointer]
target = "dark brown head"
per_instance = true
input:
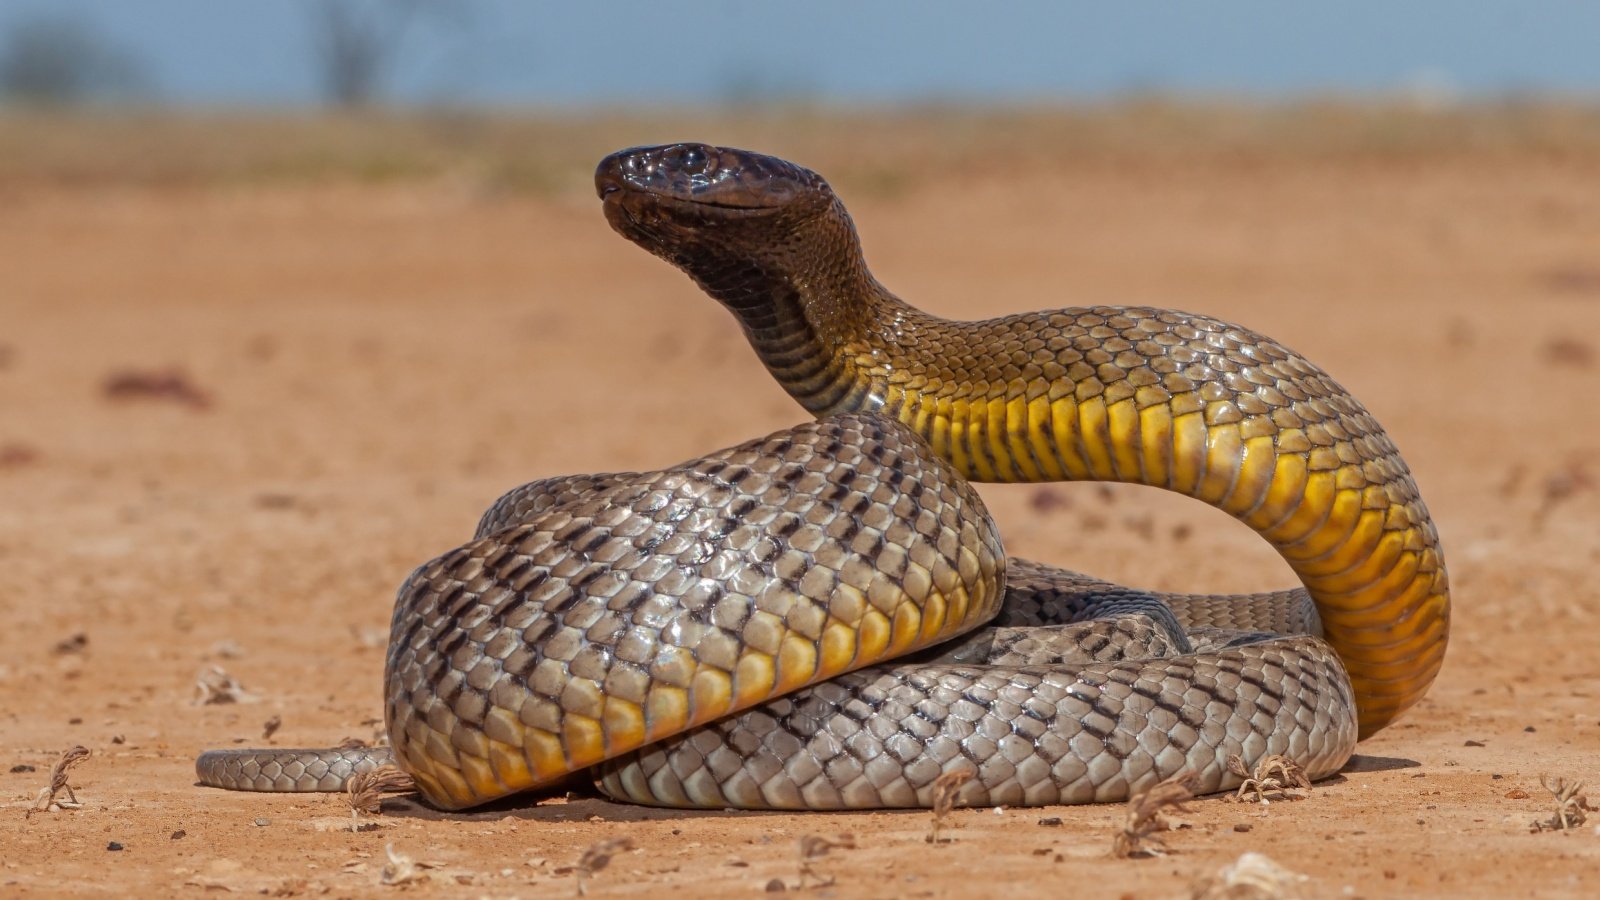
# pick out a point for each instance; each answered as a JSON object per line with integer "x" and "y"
{"x": 716, "y": 212}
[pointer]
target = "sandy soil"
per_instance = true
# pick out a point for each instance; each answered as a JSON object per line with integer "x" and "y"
{"x": 370, "y": 366}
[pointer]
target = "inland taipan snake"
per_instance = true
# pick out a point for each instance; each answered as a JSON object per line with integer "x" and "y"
{"x": 795, "y": 622}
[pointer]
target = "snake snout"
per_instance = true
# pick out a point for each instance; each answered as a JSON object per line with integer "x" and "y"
{"x": 704, "y": 175}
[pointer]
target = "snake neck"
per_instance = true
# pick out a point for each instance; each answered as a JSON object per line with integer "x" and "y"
{"x": 819, "y": 321}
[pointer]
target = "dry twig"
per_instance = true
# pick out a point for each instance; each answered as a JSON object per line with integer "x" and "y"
{"x": 270, "y": 727}
{"x": 945, "y": 788}
{"x": 46, "y": 801}
{"x": 1559, "y": 487}
{"x": 597, "y": 857}
{"x": 1144, "y": 817}
{"x": 401, "y": 868}
{"x": 366, "y": 789}
{"x": 1571, "y": 804}
{"x": 814, "y": 847}
{"x": 214, "y": 685}
{"x": 1274, "y": 774}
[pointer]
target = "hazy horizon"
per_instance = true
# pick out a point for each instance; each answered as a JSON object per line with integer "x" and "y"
{"x": 499, "y": 53}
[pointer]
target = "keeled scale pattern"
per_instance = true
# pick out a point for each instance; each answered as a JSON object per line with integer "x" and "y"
{"x": 672, "y": 598}
{"x": 1032, "y": 735}
{"x": 1136, "y": 394}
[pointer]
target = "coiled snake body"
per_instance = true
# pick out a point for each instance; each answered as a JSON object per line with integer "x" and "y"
{"x": 720, "y": 633}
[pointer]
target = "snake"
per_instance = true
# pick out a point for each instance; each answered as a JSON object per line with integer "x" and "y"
{"x": 825, "y": 617}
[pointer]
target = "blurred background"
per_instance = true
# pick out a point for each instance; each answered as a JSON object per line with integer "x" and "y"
{"x": 291, "y": 291}
{"x": 453, "y": 84}
{"x": 509, "y": 54}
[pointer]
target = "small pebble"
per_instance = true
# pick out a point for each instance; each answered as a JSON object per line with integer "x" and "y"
{"x": 262, "y": 823}
{"x": 776, "y": 886}
{"x": 1051, "y": 821}
{"x": 22, "y": 767}
{"x": 179, "y": 835}
{"x": 113, "y": 846}
{"x": 1242, "y": 827}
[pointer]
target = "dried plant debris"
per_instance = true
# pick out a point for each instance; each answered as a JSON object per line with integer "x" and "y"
{"x": 227, "y": 648}
{"x": 164, "y": 384}
{"x": 945, "y": 789}
{"x": 1560, "y": 487}
{"x": 214, "y": 685}
{"x": 270, "y": 727}
{"x": 814, "y": 847}
{"x": 380, "y": 737}
{"x": 47, "y": 800}
{"x": 594, "y": 859}
{"x": 1252, "y": 876}
{"x": 1572, "y": 806}
{"x": 1145, "y": 819}
{"x": 67, "y": 646}
{"x": 366, "y": 789}
{"x": 1275, "y": 775}
{"x": 402, "y": 869}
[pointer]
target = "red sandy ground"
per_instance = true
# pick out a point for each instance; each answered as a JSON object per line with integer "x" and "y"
{"x": 375, "y": 364}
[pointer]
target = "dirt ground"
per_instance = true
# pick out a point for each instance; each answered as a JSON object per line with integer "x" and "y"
{"x": 233, "y": 417}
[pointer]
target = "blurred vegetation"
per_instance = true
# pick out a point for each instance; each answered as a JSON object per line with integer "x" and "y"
{"x": 868, "y": 151}
{"x": 51, "y": 61}
{"x": 356, "y": 42}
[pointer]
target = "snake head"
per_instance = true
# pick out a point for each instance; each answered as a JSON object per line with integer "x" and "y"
{"x": 683, "y": 201}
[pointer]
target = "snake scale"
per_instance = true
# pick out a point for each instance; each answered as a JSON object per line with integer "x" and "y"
{"x": 797, "y": 622}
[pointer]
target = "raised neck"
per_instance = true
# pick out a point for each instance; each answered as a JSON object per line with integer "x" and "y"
{"x": 808, "y": 305}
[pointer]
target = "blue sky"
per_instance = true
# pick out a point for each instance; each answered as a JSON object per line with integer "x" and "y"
{"x": 630, "y": 52}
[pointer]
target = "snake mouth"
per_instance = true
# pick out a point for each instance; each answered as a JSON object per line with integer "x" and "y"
{"x": 692, "y": 176}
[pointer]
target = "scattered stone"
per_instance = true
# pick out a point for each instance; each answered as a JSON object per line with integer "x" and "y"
{"x": 15, "y": 455}
{"x": 167, "y": 384}
{"x": 113, "y": 846}
{"x": 1569, "y": 351}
